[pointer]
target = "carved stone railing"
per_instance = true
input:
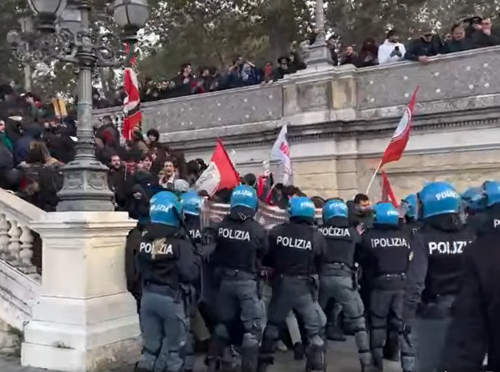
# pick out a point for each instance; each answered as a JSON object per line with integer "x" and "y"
{"x": 20, "y": 247}
{"x": 451, "y": 86}
{"x": 20, "y": 259}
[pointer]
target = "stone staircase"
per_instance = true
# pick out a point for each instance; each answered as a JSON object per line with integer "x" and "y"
{"x": 76, "y": 315}
{"x": 20, "y": 268}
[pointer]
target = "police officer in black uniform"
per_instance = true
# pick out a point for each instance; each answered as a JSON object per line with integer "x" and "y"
{"x": 296, "y": 250}
{"x": 191, "y": 204}
{"x": 410, "y": 224}
{"x": 410, "y": 206}
{"x": 166, "y": 261}
{"x": 474, "y": 324}
{"x": 384, "y": 255}
{"x": 338, "y": 279}
{"x": 434, "y": 275}
{"x": 241, "y": 244}
{"x": 472, "y": 207}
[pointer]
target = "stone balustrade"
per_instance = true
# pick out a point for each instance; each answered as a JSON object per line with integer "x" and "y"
{"x": 20, "y": 247}
{"x": 311, "y": 102}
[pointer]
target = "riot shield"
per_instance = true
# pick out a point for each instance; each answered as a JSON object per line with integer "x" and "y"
{"x": 267, "y": 215}
{"x": 212, "y": 213}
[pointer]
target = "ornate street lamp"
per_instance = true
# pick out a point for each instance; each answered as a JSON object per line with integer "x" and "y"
{"x": 64, "y": 35}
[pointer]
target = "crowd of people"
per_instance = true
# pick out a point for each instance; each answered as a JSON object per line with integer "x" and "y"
{"x": 411, "y": 302}
{"x": 420, "y": 299}
{"x": 240, "y": 73}
{"x": 471, "y": 33}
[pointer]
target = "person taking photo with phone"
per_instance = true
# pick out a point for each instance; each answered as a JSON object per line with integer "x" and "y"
{"x": 391, "y": 50}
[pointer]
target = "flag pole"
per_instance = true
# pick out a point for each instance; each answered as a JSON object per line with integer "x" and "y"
{"x": 373, "y": 177}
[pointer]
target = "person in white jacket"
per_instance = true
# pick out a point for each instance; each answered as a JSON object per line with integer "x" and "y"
{"x": 391, "y": 50}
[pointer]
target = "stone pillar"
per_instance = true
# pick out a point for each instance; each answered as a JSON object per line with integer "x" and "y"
{"x": 85, "y": 319}
{"x": 344, "y": 93}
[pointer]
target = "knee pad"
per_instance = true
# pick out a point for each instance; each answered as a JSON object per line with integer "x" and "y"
{"x": 317, "y": 341}
{"x": 221, "y": 332}
{"x": 250, "y": 341}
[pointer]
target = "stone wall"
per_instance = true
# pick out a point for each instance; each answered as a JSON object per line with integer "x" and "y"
{"x": 463, "y": 169}
{"x": 340, "y": 122}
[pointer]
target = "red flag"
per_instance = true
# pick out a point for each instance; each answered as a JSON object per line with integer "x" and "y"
{"x": 131, "y": 104}
{"x": 400, "y": 138}
{"x": 387, "y": 193}
{"x": 220, "y": 173}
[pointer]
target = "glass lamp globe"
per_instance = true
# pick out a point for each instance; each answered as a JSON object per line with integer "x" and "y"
{"x": 50, "y": 8}
{"x": 71, "y": 19}
{"x": 131, "y": 14}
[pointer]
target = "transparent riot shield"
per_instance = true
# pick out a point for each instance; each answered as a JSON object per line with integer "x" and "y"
{"x": 269, "y": 216}
{"x": 404, "y": 207}
{"x": 212, "y": 213}
{"x": 319, "y": 217}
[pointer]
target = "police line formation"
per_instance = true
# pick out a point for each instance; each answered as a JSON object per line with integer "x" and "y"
{"x": 411, "y": 267}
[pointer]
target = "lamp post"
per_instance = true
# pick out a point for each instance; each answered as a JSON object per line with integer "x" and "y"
{"x": 64, "y": 35}
{"x": 319, "y": 54}
{"x": 27, "y": 26}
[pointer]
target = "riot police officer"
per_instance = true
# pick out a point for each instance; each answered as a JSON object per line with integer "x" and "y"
{"x": 296, "y": 251}
{"x": 410, "y": 224}
{"x": 191, "y": 204}
{"x": 384, "y": 255}
{"x": 165, "y": 261}
{"x": 240, "y": 245}
{"x": 434, "y": 274}
{"x": 410, "y": 203}
{"x": 472, "y": 330}
{"x": 473, "y": 206}
{"x": 338, "y": 279}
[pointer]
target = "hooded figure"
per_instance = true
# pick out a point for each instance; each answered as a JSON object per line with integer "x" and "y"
{"x": 22, "y": 146}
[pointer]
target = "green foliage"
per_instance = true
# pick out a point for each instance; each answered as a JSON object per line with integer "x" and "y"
{"x": 215, "y": 32}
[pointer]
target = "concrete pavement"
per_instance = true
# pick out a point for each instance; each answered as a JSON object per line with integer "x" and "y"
{"x": 341, "y": 357}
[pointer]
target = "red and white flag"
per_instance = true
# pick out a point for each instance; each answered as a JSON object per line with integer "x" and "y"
{"x": 401, "y": 136}
{"x": 132, "y": 102}
{"x": 281, "y": 152}
{"x": 387, "y": 192}
{"x": 220, "y": 173}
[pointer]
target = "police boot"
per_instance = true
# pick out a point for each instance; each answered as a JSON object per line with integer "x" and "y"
{"x": 378, "y": 362}
{"x": 367, "y": 363}
{"x": 334, "y": 333}
{"x": 369, "y": 368}
{"x": 391, "y": 351}
{"x": 140, "y": 369}
{"x": 228, "y": 359}
{"x": 213, "y": 355}
{"x": 249, "y": 353}
{"x": 316, "y": 358}
{"x": 298, "y": 351}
